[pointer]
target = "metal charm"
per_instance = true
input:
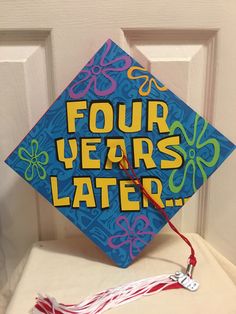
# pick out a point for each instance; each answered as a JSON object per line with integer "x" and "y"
{"x": 185, "y": 281}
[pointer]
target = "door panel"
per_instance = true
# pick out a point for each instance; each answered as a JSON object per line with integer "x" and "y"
{"x": 24, "y": 95}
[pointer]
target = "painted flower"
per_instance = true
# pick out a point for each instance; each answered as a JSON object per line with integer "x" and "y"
{"x": 131, "y": 236}
{"x": 195, "y": 157}
{"x": 147, "y": 80}
{"x": 97, "y": 73}
{"x": 36, "y": 160}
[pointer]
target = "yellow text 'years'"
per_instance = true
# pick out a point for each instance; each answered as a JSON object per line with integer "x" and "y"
{"x": 143, "y": 150}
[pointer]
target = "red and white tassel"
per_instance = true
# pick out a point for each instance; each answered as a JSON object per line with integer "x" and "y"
{"x": 109, "y": 298}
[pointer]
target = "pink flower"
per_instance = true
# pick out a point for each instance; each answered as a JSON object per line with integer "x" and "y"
{"x": 133, "y": 236}
{"x": 97, "y": 74}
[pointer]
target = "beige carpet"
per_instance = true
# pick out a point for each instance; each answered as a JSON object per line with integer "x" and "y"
{"x": 74, "y": 268}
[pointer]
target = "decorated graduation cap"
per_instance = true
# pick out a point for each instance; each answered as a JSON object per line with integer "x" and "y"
{"x": 119, "y": 154}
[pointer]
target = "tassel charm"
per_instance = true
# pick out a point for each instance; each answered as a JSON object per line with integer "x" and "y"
{"x": 185, "y": 281}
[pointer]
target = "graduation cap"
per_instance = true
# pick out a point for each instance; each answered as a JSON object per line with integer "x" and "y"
{"x": 114, "y": 129}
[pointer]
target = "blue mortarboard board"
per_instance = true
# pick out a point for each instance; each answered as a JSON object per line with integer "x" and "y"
{"x": 114, "y": 107}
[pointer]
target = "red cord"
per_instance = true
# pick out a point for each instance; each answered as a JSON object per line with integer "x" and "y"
{"x": 192, "y": 259}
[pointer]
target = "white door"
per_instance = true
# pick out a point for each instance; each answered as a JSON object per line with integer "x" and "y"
{"x": 189, "y": 45}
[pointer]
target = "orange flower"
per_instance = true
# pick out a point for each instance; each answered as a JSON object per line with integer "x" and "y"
{"x": 145, "y": 87}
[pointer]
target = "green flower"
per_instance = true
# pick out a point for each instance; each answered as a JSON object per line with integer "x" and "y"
{"x": 35, "y": 161}
{"x": 192, "y": 155}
